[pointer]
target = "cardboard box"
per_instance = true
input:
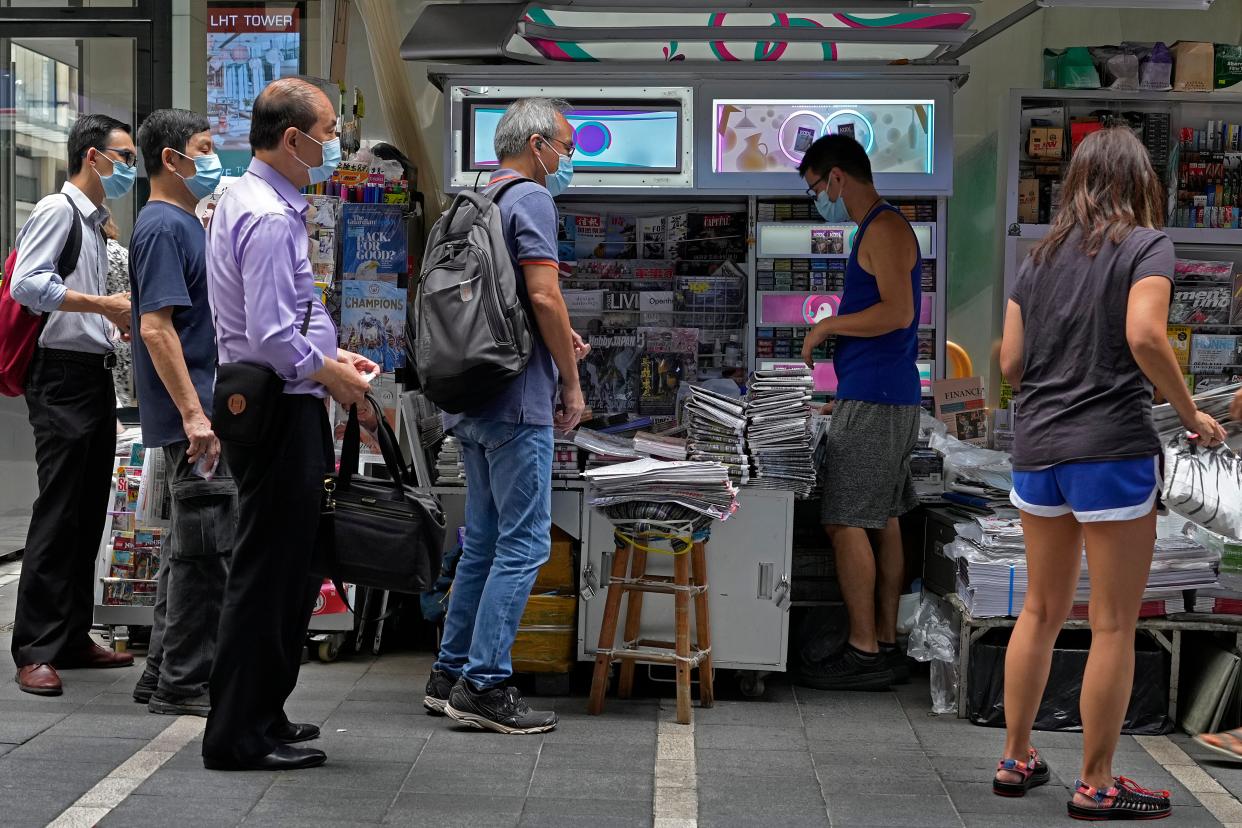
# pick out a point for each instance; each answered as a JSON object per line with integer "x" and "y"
{"x": 558, "y": 573}
{"x": 1046, "y": 142}
{"x": 546, "y": 639}
{"x": 1081, "y": 129}
{"x": 1028, "y": 201}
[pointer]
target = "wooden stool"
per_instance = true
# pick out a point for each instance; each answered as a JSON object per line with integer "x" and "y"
{"x": 629, "y": 578}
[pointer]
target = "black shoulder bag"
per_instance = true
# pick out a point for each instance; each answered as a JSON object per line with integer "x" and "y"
{"x": 245, "y": 399}
{"x": 377, "y": 533}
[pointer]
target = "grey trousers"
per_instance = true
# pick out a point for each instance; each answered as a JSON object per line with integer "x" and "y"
{"x": 193, "y": 571}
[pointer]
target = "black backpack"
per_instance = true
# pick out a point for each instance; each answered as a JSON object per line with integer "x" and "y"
{"x": 467, "y": 329}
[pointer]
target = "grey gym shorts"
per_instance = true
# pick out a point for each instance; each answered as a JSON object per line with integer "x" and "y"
{"x": 866, "y": 470}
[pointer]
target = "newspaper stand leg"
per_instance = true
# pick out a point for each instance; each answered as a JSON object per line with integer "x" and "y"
{"x": 634, "y": 539}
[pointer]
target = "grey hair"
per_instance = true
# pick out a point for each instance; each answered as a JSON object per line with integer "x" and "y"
{"x": 526, "y": 117}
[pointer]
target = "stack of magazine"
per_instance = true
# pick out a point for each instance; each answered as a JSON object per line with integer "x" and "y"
{"x": 701, "y": 487}
{"x": 663, "y": 446}
{"x": 449, "y": 468}
{"x": 716, "y": 428}
{"x": 778, "y": 434}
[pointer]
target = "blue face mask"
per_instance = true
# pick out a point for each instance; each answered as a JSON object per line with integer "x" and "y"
{"x": 120, "y": 181}
{"x": 331, "y": 159}
{"x": 832, "y": 211}
{"x": 558, "y": 182}
{"x": 207, "y": 172}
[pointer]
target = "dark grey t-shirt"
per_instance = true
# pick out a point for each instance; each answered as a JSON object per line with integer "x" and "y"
{"x": 1083, "y": 397}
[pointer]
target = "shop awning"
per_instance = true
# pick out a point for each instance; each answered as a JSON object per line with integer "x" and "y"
{"x": 659, "y": 31}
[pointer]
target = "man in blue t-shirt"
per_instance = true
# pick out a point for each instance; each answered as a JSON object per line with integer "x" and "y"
{"x": 174, "y": 375}
{"x": 507, "y": 442}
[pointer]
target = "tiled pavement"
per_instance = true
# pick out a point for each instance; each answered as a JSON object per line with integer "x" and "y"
{"x": 797, "y": 758}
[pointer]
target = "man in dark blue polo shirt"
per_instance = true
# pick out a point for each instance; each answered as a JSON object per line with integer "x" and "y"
{"x": 174, "y": 374}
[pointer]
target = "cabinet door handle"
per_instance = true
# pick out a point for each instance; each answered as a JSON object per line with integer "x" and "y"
{"x": 767, "y": 572}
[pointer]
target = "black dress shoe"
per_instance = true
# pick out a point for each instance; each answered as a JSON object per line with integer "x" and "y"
{"x": 281, "y": 759}
{"x": 291, "y": 733}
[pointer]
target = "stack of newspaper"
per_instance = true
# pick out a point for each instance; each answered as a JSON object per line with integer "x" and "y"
{"x": 992, "y": 569}
{"x": 701, "y": 487}
{"x": 716, "y": 427}
{"x": 450, "y": 470}
{"x": 778, "y": 435}
{"x": 663, "y": 446}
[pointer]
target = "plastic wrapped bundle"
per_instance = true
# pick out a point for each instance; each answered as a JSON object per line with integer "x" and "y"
{"x": 1204, "y": 485}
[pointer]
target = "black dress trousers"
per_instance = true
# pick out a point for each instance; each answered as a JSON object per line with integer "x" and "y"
{"x": 270, "y": 593}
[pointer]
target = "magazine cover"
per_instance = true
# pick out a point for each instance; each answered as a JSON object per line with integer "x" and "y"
{"x": 609, "y": 372}
{"x": 1197, "y": 270}
{"x": 373, "y": 322}
{"x": 961, "y": 406}
{"x": 669, "y": 359}
{"x": 1201, "y": 305}
{"x": 1211, "y": 353}
{"x": 1179, "y": 338}
{"x": 321, "y": 221}
{"x": 566, "y": 235}
{"x": 589, "y": 236}
{"x": 1237, "y": 299}
{"x": 621, "y": 237}
{"x": 373, "y": 242}
{"x": 714, "y": 237}
{"x": 654, "y": 235}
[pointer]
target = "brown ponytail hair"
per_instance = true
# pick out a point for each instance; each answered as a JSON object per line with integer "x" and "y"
{"x": 1110, "y": 188}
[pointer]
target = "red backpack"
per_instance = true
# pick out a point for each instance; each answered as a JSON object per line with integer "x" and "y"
{"x": 20, "y": 326}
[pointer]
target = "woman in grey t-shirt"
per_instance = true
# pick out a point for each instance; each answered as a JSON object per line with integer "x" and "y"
{"x": 1084, "y": 345}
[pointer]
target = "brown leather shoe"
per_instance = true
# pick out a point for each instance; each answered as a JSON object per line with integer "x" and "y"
{"x": 40, "y": 679}
{"x": 94, "y": 657}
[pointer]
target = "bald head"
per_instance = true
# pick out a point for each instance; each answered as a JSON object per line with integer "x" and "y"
{"x": 285, "y": 103}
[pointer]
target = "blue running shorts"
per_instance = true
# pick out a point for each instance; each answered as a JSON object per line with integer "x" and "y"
{"x": 1092, "y": 492}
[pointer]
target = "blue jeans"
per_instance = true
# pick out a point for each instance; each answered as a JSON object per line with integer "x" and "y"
{"x": 508, "y": 537}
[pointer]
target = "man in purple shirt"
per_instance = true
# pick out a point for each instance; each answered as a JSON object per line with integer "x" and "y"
{"x": 261, "y": 289}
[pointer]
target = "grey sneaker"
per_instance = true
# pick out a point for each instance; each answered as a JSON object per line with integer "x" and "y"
{"x": 501, "y": 709}
{"x": 147, "y": 684}
{"x": 438, "y": 688}
{"x": 169, "y": 705}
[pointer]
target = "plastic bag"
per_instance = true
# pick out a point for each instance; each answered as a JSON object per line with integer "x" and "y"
{"x": 932, "y": 639}
{"x": 1204, "y": 485}
{"x": 1118, "y": 67}
{"x": 1076, "y": 70}
{"x": 967, "y": 462}
{"x": 1156, "y": 69}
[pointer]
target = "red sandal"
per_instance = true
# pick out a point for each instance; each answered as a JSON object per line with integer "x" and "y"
{"x": 1125, "y": 800}
{"x": 1034, "y": 773}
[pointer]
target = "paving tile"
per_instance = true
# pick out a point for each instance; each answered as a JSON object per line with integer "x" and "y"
{"x": 34, "y": 808}
{"x": 111, "y": 725}
{"x": 977, "y": 798}
{"x": 85, "y": 749}
{"x": 552, "y": 806}
{"x": 751, "y": 738}
{"x": 449, "y": 738}
{"x": 444, "y": 809}
{"x": 759, "y": 799}
{"x": 411, "y": 705}
{"x": 793, "y": 764}
{"x": 839, "y": 780}
{"x": 786, "y": 821}
{"x": 350, "y": 773}
{"x": 174, "y": 782}
{"x": 749, "y": 713}
{"x": 300, "y": 805}
{"x": 889, "y": 810}
{"x": 619, "y": 758}
{"x": 182, "y": 811}
{"x": 599, "y": 730}
{"x": 52, "y": 774}
{"x": 873, "y": 759}
{"x": 569, "y": 783}
{"x": 383, "y": 725}
{"x": 486, "y": 774}
{"x": 892, "y": 735}
{"x": 574, "y": 821}
{"x": 353, "y": 747}
{"x": 17, "y": 727}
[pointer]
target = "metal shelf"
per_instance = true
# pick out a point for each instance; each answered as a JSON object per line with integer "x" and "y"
{"x": 1178, "y": 235}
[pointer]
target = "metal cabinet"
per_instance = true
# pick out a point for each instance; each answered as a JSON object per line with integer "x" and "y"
{"x": 749, "y": 559}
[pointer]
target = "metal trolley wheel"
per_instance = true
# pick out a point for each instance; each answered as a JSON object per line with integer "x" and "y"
{"x": 329, "y": 646}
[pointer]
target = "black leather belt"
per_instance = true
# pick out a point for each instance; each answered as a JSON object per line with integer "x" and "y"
{"x": 106, "y": 361}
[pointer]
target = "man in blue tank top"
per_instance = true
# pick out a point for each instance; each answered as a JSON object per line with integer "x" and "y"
{"x": 875, "y": 423}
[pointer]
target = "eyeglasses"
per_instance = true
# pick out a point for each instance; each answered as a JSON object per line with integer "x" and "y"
{"x": 811, "y": 191}
{"x": 570, "y": 149}
{"x": 128, "y": 156}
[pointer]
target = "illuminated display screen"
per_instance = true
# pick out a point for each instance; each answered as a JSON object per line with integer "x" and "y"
{"x": 754, "y": 136}
{"x": 809, "y": 308}
{"x": 609, "y": 137}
